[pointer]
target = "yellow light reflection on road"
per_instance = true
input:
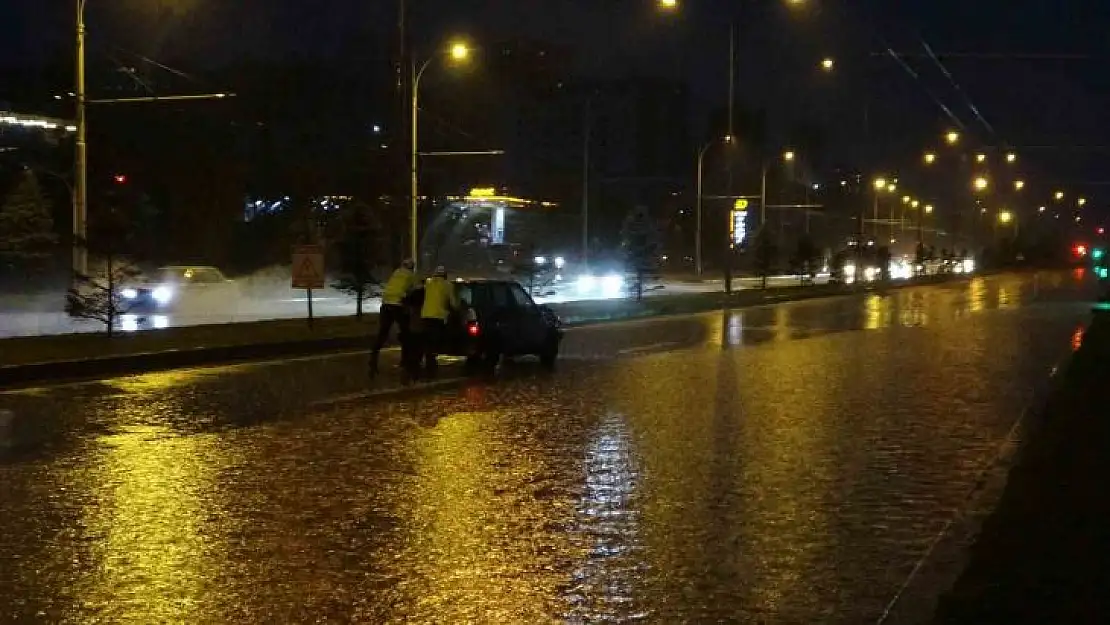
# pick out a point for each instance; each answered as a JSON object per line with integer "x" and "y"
{"x": 153, "y": 552}
{"x": 977, "y": 295}
{"x": 1008, "y": 295}
{"x": 876, "y": 312}
{"x": 472, "y": 550}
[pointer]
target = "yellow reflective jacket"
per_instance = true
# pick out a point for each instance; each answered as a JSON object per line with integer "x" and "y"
{"x": 439, "y": 299}
{"x": 400, "y": 284}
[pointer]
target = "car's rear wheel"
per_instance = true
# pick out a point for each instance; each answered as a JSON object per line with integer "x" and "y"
{"x": 485, "y": 360}
{"x": 550, "y": 352}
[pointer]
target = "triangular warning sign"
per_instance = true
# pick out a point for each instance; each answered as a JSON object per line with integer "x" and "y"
{"x": 306, "y": 271}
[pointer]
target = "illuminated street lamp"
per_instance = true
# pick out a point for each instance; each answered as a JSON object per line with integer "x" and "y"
{"x": 915, "y": 204}
{"x": 828, "y": 64}
{"x": 457, "y": 52}
{"x": 1041, "y": 209}
{"x": 906, "y": 199}
{"x": 668, "y": 5}
{"x": 930, "y": 158}
{"x": 1059, "y": 195}
{"x": 880, "y": 184}
{"x": 1011, "y": 157}
{"x": 1005, "y": 217}
{"x": 1019, "y": 185}
{"x": 928, "y": 209}
{"x": 788, "y": 156}
{"x": 892, "y": 187}
{"x": 981, "y": 184}
{"x": 460, "y": 51}
{"x": 980, "y": 158}
{"x": 952, "y": 137}
{"x": 1082, "y": 201}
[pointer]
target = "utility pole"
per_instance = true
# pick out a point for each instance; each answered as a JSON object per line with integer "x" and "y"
{"x": 81, "y": 190}
{"x": 731, "y": 133}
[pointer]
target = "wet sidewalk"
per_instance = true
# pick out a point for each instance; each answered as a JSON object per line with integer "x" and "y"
{"x": 1044, "y": 555}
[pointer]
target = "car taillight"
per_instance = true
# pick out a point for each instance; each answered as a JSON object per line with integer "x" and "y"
{"x": 473, "y": 329}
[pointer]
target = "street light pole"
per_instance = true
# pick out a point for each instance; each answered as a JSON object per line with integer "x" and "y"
{"x": 587, "y": 136}
{"x": 414, "y": 114}
{"x": 697, "y": 210}
{"x": 459, "y": 52}
{"x": 81, "y": 193}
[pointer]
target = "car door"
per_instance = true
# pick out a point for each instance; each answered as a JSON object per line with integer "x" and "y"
{"x": 531, "y": 327}
{"x": 501, "y": 316}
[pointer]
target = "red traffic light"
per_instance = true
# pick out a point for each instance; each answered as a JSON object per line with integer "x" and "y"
{"x": 120, "y": 179}
{"x": 1101, "y": 231}
{"x": 1080, "y": 250}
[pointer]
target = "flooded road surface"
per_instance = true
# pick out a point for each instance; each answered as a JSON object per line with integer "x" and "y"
{"x": 784, "y": 464}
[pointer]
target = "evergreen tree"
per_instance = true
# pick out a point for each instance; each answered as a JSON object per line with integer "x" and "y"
{"x": 642, "y": 247}
{"x": 358, "y": 247}
{"x": 27, "y": 238}
{"x": 806, "y": 258}
{"x": 766, "y": 254}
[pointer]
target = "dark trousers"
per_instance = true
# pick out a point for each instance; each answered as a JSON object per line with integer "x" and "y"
{"x": 390, "y": 315}
{"x": 431, "y": 340}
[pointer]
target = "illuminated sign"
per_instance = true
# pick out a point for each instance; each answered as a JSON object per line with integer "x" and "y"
{"x": 483, "y": 192}
{"x": 740, "y": 205}
{"x": 738, "y": 225}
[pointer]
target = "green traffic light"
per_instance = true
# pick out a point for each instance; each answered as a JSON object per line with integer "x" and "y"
{"x": 1098, "y": 253}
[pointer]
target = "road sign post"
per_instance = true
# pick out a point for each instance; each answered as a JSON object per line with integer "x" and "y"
{"x": 308, "y": 271}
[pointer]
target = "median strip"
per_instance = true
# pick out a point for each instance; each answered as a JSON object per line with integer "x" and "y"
{"x": 28, "y": 360}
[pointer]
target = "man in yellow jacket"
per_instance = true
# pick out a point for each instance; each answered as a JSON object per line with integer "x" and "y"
{"x": 393, "y": 311}
{"x": 440, "y": 299}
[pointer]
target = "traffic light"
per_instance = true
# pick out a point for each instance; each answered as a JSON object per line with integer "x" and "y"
{"x": 1080, "y": 250}
{"x": 119, "y": 179}
{"x": 1098, "y": 254}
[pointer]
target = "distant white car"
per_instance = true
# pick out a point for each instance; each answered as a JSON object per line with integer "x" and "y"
{"x": 180, "y": 286}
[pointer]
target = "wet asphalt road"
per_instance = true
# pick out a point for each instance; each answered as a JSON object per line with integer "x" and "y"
{"x": 785, "y": 464}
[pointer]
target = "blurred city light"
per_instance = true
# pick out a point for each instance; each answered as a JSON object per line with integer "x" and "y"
{"x": 981, "y": 184}
{"x": 952, "y": 137}
{"x": 930, "y": 158}
{"x": 460, "y": 51}
{"x": 1005, "y": 217}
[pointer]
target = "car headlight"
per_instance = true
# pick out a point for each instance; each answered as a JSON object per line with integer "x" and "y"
{"x": 162, "y": 294}
{"x": 849, "y": 270}
{"x": 540, "y": 260}
{"x": 560, "y": 262}
{"x": 612, "y": 284}
{"x": 129, "y": 293}
{"x": 587, "y": 283}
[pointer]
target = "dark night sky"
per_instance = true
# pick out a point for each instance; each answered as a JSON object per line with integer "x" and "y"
{"x": 1030, "y": 102}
